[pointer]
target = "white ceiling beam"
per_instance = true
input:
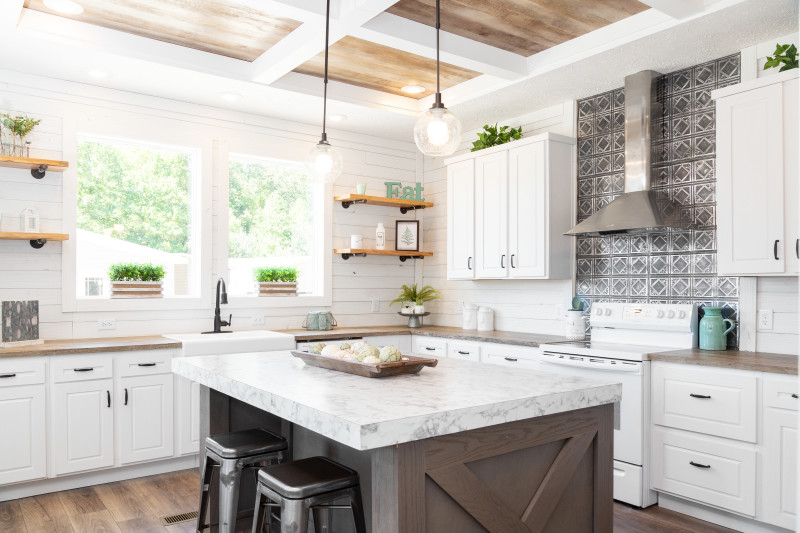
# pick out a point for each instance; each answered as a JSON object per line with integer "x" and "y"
{"x": 678, "y": 9}
{"x": 308, "y": 40}
{"x": 299, "y": 10}
{"x": 415, "y": 38}
{"x": 10, "y": 12}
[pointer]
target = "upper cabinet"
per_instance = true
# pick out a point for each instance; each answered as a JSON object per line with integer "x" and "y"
{"x": 757, "y": 177}
{"x": 508, "y": 208}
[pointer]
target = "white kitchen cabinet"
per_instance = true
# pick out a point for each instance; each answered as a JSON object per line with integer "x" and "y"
{"x": 520, "y": 195}
{"x": 426, "y": 346}
{"x": 187, "y": 416}
{"x": 145, "y": 423}
{"x": 779, "y": 480}
{"x": 507, "y": 355}
{"x": 757, "y": 177}
{"x": 464, "y": 350}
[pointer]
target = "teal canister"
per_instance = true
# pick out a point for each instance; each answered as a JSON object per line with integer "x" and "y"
{"x": 713, "y": 335}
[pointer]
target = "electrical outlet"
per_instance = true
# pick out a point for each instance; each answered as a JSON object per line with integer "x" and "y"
{"x": 106, "y": 324}
{"x": 257, "y": 321}
{"x": 765, "y": 317}
{"x": 376, "y": 305}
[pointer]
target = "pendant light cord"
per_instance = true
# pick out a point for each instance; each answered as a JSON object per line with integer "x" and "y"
{"x": 325, "y": 90}
{"x": 438, "y": 26}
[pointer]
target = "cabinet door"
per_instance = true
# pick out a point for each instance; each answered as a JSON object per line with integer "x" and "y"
{"x": 461, "y": 220}
{"x": 22, "y": 447}
{"x": 145, "y": 418}
{"x": 791, "y": 175}
{"x": 750, "y": 184}
{"x": 780, "y": 467}
{"x": 528, "y": 213}
{"x": 82, "y": 422}
{"x": 187, "y": 413}
{"x": 491, "y": 216}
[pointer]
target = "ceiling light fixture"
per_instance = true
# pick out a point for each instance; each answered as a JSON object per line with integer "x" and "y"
{"x": 413, "y": 89}
{"x": 338, "y": 117}
{"x": 437, "y": 131}
{"x": 97, "y": 73}
{"x": 324, "y": 163}
{"x": 230, "y": 97}
{"x": 67, "y": 7}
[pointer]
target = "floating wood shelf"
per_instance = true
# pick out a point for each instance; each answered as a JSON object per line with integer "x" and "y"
{"x": 404, "y": 205}
{"x": 38, "y": 167}
{"x": 362, "y": 252}
{"x": 37, "y": 239}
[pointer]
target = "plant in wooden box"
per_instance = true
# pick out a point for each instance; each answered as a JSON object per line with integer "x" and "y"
{"x": 136, "y": 280}
{"x": 276, "y": 281}
{"x": 417, "y": 297}
{"x": 14, "y": 130}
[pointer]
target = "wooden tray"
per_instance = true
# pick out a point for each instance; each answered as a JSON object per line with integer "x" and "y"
{"x": 409, "y": 365}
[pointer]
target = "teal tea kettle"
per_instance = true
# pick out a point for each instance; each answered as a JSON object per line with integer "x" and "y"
{"x": 713, "y": 335}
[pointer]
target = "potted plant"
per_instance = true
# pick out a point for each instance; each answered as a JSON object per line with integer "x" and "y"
{"x": 276, "y": 281}
{"x": 410, "y": 294}
{"x": 136, "y": 280}
{"x": 18, "y": 128}
{"x": 576, "y": 322}
{"x": 493, "y": 136}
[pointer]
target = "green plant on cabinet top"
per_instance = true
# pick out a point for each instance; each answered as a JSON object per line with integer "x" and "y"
{"x": 492, "y": 136}
{"x": 786, "y": 55}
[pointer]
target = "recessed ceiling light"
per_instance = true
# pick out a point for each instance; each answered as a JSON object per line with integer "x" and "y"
{"x": 67, "y": 7}
{"x": 413, "y": 89}
{"x": 337, "y": 117}
{"x": 230, "y": 97}
{"x": 96, "y": 73}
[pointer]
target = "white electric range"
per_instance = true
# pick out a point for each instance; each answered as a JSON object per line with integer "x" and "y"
{"x": 622, "y": 336}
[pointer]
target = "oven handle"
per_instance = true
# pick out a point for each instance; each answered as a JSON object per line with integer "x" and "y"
{"x": 621, "y": 367}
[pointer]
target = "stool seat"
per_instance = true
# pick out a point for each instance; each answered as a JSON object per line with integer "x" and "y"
{"x": 246, "y": 443}
{"x": 307, "y": 477}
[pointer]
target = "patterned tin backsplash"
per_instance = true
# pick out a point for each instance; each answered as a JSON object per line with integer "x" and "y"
{"x": 674, "y": 266}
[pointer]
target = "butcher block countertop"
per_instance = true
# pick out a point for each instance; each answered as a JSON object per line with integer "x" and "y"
{"x": 76, "y": 346}
{"x": 757, "y": 361}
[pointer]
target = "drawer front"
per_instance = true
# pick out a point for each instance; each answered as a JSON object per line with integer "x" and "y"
{"x": 429, "y": 346}
{"x": 507, "y": 360}
{"x": 781, "y": 392}
{"x": 713, "y": 402}
{"x": 22, "y": 371}
{"x": 143, "y": 363}
{"x": 466, "y": 351}
{"x": 628, "y": 483}
{"x": 81, "y": 368}
{"x": 705, "y": 469}
{"x": 506, "y": 355}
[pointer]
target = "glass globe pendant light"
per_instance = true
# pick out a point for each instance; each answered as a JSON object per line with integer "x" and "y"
{"x": 324, "y": 163}
{"x": 437, "y": 131}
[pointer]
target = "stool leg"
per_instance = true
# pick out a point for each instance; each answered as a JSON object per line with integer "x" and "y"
{"x": 358, "y": 510}
{"x": 230, "y": 473}
{"x": 294, "y": 516}
{"x": 205, "y": 480}
{"x": 258, "y": 512}
{"x": 322, "y": 520}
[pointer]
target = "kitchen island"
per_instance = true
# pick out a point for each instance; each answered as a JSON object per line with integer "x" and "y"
{"x": 460, "y": 447}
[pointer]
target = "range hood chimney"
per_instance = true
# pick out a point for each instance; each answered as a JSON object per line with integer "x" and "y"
{"x": 637, "y": 210}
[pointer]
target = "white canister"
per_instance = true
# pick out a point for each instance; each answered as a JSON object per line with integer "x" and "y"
{"x": 485, "y": 319}
{"x": 576, "y": 326}
{"x": 356, "y": 242}
{"x": 380, "y": 237}
{"x": 469, "y": 317}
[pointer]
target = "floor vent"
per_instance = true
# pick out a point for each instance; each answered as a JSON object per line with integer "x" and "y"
{"x": 178, "y": 518}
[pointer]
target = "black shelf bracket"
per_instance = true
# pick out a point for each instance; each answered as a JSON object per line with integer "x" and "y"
{"x": 348, "y": 256}
{"x": 39, "y": 173}
{"x": 403, "y": 258}
{"x": 348, "y": 204}
{"x": 404, "y": 210}
{"x": 38, "y": 243}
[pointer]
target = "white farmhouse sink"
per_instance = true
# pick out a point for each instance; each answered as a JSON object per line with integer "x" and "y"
{"x": 235, "y": 342}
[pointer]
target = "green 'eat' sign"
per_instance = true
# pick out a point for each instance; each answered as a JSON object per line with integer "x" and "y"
{"x": 395, "y": 188}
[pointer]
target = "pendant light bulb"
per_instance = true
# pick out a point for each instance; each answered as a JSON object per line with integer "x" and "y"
{"x": 324, "y": 163}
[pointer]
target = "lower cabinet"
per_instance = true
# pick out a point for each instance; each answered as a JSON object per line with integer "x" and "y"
{"x": 23, "y": 455}
{"x": 780, "y": 460}
{"x": 187, "y": 416}
{"x": 145, "y": 424}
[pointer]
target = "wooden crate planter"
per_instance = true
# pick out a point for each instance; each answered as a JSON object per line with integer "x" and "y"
{"x": 277, "y": 288}
{"x": 137, "y": 289}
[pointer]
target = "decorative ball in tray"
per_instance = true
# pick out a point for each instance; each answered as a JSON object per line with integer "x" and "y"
{"x": 363, "y": 359}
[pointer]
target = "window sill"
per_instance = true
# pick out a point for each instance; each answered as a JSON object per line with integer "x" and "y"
{"x": 234, "y": 302}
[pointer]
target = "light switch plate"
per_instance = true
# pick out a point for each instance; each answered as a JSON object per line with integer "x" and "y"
{"x": 765, "y": 318}
{"x": 376, "y": 305}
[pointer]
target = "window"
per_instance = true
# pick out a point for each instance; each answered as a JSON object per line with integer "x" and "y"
{"x": 275, "y": 219}
{"x": 135, "y": 204}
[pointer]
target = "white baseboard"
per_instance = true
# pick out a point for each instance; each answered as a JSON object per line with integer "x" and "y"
{"x": 97, "y": 477}
{"x": 716, "y": 516}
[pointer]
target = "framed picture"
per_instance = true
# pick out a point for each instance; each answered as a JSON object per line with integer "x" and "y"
{"x": 407, "y": 235}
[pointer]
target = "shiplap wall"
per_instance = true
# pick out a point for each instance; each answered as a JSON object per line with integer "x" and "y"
{"x": 535, "y": 306}
{"x": 28, "y": 274}
{"x": 780, "y": 295}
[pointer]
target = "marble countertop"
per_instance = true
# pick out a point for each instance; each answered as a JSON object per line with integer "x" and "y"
{"x": 77, "y": 346}
{"x": 367, "y": 413}
{"x": 502, "y": 337}
{"x": 777, "y": 363}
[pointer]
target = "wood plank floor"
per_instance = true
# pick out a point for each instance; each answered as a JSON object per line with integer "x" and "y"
{"x": 135, "y": 506}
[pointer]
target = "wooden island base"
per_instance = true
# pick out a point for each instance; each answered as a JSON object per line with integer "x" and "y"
{"x": 546, "y": 474}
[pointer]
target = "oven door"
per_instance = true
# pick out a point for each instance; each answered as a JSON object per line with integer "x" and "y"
{"x": 629, "y": 438}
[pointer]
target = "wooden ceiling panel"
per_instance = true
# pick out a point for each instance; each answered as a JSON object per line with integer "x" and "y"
{"x": 374, "y": 66}
{"x": 524, "y": 27}
{"x": 222, "y": 27}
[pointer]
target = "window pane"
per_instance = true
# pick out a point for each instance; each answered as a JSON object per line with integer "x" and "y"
{"x": 271, "y": 222}
{"x": 134, "y": 205}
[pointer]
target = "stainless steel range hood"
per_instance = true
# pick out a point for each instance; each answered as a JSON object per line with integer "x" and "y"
{"x": 637, "y": 209}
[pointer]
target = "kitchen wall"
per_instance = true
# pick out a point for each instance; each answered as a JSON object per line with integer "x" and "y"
{"x": 28, "y": 274}
{"x": 535, "y": 306}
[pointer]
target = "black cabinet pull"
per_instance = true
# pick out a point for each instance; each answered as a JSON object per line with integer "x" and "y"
{"x": 512, "y": 359}
{"x": 108, "y": 395}
{"x": 702, "y": 396}
{"x": 797, "y": 248}
{"x": 430, "y": 349}
{"x": 469, "y": 262}
{"x": 794, "y": 396}
{"x": 698, "y": 465}
{"x": 775, "y": 249}
{"x": 7, "y": 375}
{"x": 87, "y": 369}
{"x": 126, "y": 396}
{"x": 463, "y": 353}
{"x": 147, "y": 364}
{"x": 512, "y": 261}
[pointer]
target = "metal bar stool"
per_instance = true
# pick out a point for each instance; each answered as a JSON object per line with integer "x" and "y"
{"x": 231, "y": 453}
{"x": 311, "y": 484}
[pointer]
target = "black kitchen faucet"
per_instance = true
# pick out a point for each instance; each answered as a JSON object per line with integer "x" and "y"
{"x": 222, "y": 298}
